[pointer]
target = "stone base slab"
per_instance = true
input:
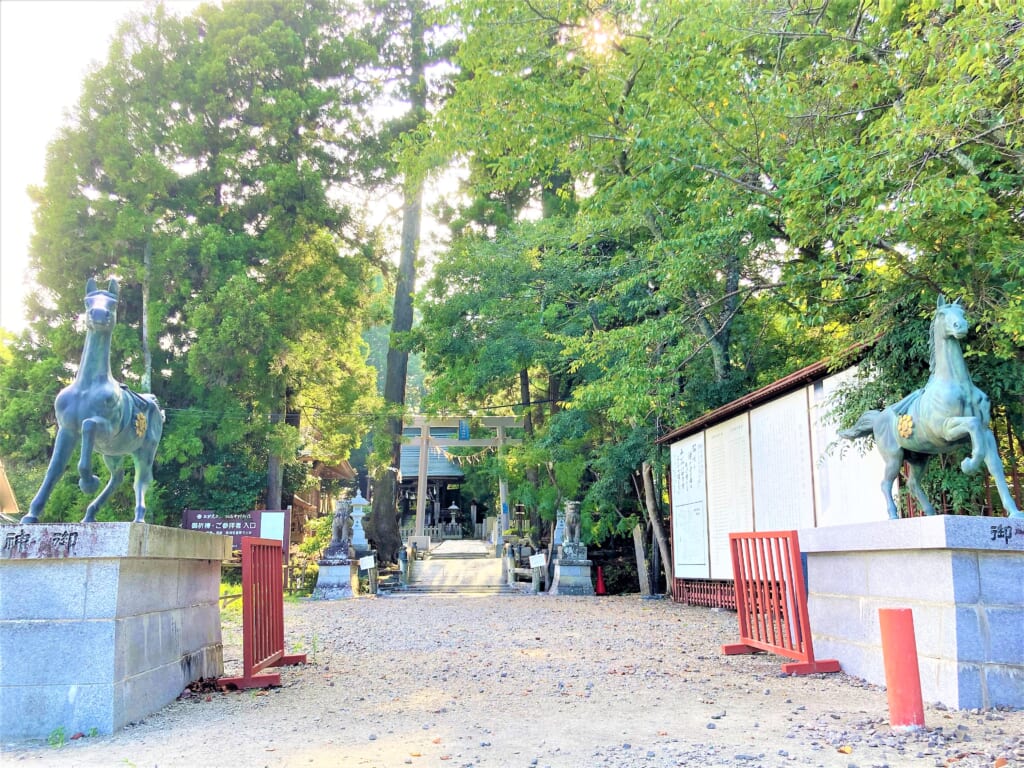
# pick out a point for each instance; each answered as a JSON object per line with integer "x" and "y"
{"x": 572, "y": 578}
{"x": 334, "y": 580}
{"x": 102, "y": 624}
{"x": 963, "y": 578}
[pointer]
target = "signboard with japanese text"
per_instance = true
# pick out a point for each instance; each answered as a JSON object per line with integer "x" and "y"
{"x": 689, "y": 508}
{"x": 261, "y": 523}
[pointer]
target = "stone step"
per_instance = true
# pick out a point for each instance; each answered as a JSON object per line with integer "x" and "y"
{"x": 460, "y": 589}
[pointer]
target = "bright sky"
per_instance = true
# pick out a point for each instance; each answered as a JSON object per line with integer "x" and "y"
{"x": 46, "y": 48}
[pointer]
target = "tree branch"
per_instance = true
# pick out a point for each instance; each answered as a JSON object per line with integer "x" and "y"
{"x": 726, "y": 177}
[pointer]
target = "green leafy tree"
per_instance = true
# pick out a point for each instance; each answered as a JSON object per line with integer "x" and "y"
{"x": 200, "y": 160}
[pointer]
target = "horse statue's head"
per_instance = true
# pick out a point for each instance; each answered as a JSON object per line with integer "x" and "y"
{"x": 100, "y": 306}
{"x": 949, "y": 321}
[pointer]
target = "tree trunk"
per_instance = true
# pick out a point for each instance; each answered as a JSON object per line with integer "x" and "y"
{"x": 387, "y": 538}
{"x": 147, "y": 352}
{"x": 383, "y": 525}
{"x": 654, "y": 514}
{"x": 532, "y": 475}
{"x": 275, "y": 472}
{"x": 524, "y": 399}
{"x": 275, "y": 478}
{"x": 554, "y": 392}
{"x": 641, "y": 560}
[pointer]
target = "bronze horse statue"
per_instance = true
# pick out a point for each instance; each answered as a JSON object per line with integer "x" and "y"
{"x": 949, "y": 411}
{"x": 108, "y": 418}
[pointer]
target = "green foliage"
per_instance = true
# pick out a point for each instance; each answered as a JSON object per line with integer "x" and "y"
{"x": 231, "y": 610}
{"x": 57, "y": 738}
{"x": 318, "y": 535}
{"x": 747, "y": 190}
{"x": 197, "y": 165}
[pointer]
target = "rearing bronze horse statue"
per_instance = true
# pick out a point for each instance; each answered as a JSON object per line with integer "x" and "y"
{"x": 108, "y": 418}
{"x": 949, "y": 411}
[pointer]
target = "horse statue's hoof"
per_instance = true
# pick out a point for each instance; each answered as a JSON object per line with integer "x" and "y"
{"x": 970, "y": 465}
{"x": 29, "y": 518}
{"x": 89, "y": 485}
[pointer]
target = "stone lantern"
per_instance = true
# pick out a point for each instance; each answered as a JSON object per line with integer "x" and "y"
{"x": 359, "y": 542}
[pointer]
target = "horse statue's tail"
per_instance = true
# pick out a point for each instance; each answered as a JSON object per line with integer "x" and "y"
{"x": 865, "y": 426}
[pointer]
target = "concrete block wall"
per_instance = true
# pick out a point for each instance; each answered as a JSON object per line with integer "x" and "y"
{"x": 964, "y": 584}
{"x": 104, "y": 623}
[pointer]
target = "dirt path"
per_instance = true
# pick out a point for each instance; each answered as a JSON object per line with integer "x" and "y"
{"x": 534, "y": 681}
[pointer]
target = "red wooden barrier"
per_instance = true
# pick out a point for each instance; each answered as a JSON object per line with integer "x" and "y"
{"x": 262, "y": 616}
{"x": 771, "y": 600}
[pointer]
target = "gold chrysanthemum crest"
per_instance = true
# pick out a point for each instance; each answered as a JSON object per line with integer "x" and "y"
{"x": 905, "y": 426}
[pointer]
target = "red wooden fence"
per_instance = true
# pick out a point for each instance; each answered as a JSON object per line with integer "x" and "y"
{"x": 710, "y": 594}
{"x": 262, "y": 616}
{"x": 771, "y": 600}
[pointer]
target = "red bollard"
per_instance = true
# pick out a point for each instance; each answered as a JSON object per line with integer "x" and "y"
{"x": 902, "y": 677}
{"x": 600, "y": 582}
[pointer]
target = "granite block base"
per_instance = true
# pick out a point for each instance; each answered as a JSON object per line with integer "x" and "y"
{"x": 963, "y": 578}
{"x": 102, "y": 624}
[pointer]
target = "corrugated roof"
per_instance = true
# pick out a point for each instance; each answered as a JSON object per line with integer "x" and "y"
{"x": 438, "y": 464}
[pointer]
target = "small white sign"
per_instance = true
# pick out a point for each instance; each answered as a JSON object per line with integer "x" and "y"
{"x": 272, "y": 525}
{"x": 368, "y": 562}
{"x": 538, "y": 561}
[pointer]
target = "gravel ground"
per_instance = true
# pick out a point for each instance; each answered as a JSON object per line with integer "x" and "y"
{"x": 524, "y": 681}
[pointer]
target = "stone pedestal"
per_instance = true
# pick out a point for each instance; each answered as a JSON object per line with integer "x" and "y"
{"x": 572, "y": 571}
{"x": 102, "y": 624}
{"x": 334, "y": 579}
{"x": 963, "y": 578}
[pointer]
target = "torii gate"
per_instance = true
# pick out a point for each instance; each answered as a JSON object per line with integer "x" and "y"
{"x": 498, "y": 423}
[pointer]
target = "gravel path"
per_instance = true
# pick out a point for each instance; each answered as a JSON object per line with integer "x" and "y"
{"x": 525, "y": 680}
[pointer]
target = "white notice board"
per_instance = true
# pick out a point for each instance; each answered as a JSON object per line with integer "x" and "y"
{"x": 847, "y": 475}
{"x": 730, "y": 502}
{"x": 689, "y": 508}
{"x": 780, "y": 447}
